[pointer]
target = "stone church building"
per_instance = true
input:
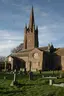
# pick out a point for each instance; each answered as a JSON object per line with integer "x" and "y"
{"x": 32, "y": 57}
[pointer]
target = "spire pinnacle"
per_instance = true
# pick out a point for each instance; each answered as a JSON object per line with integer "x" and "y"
{"x": 31, "y": 22}
{"x": 26, "y": 26}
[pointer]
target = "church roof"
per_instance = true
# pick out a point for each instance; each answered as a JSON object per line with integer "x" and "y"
{"x": 45, "y": 48}
{"x": 27, "y": 50}
{"x": 24, "y": 52}
{"x": 60, "y": 51}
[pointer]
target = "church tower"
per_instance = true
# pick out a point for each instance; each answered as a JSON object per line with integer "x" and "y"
{"x": 31, "y": 33}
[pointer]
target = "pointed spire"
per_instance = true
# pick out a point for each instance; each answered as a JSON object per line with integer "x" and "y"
{"x": 37, "y": 28}
{"x": 31, "y": 22}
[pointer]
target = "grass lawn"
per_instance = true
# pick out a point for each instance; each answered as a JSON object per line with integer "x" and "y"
{"x": 38, "y": 86}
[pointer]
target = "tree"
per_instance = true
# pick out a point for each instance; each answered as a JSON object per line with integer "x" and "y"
{"x": 18, "y": 48}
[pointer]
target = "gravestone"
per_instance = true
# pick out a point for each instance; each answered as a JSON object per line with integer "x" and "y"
{"x": 59, "y": 85}
{"x": 50, "y": 82}
{"x": 12, "y": 83}
{"x": 14, "y": 79}
{"x": 4, "y": 77}
{"x": 19, "y": 72}
{"x": 60, "y": 75}
{"x": 40, "y": 71}
{"x": 30, "y": 75}
{"x": 42, "y": 76}
{"x": 14, "y": 75}
{"x": 25, "y": 71}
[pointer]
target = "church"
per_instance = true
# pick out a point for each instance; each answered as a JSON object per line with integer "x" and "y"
{"x": 32, "y": 57}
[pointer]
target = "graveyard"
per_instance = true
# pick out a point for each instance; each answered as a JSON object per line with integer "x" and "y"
{"x": 36, "y": 84}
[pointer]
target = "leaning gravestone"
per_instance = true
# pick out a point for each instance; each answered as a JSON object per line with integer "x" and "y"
{"x": 12, "y": 83}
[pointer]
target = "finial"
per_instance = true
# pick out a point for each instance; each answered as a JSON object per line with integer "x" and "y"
{"x": 31, "y": 22}
{"x": 25, "y": 25}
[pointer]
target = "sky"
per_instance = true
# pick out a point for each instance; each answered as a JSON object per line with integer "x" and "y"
{"x": 14, "y": 14}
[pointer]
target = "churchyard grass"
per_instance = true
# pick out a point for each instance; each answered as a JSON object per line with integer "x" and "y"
{"x": 38, "y": 86}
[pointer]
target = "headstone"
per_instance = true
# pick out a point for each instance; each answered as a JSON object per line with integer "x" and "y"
{"x": 42, "y": 76}
{"x": 4, "y": 77}
{"x": 59, "y": 85}
{"x": 40, "y": 71}
{"x": 14, "y": 76}
{"x": 50, "y": 82}
{"x": 30, "y": 75}
{"x": 19, "y": 72}
{"x": 25, "y": 71}
{"x": 60, "y": 75}
{"x": 12, "y": 83}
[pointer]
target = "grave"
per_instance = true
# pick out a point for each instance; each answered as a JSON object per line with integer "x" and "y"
{"x": 50, "y": 82}
{"x": 14, "y": 79}
{"x": 14, "y": 75}
{"x": 4, "y": 77}
{"x": 60, "y": 75}
{"x": 59, "y": 85}
{"x": 30, "y": 75}
{"x": 12, "y": 83}
{"x": 25, "y": 71}
{"x": 49, "y": 77}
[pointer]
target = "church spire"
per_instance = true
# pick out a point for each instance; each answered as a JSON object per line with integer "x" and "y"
{"x": 31, "y": 22}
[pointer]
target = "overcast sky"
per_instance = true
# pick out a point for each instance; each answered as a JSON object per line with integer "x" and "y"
{"x": 14, "y": 14}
